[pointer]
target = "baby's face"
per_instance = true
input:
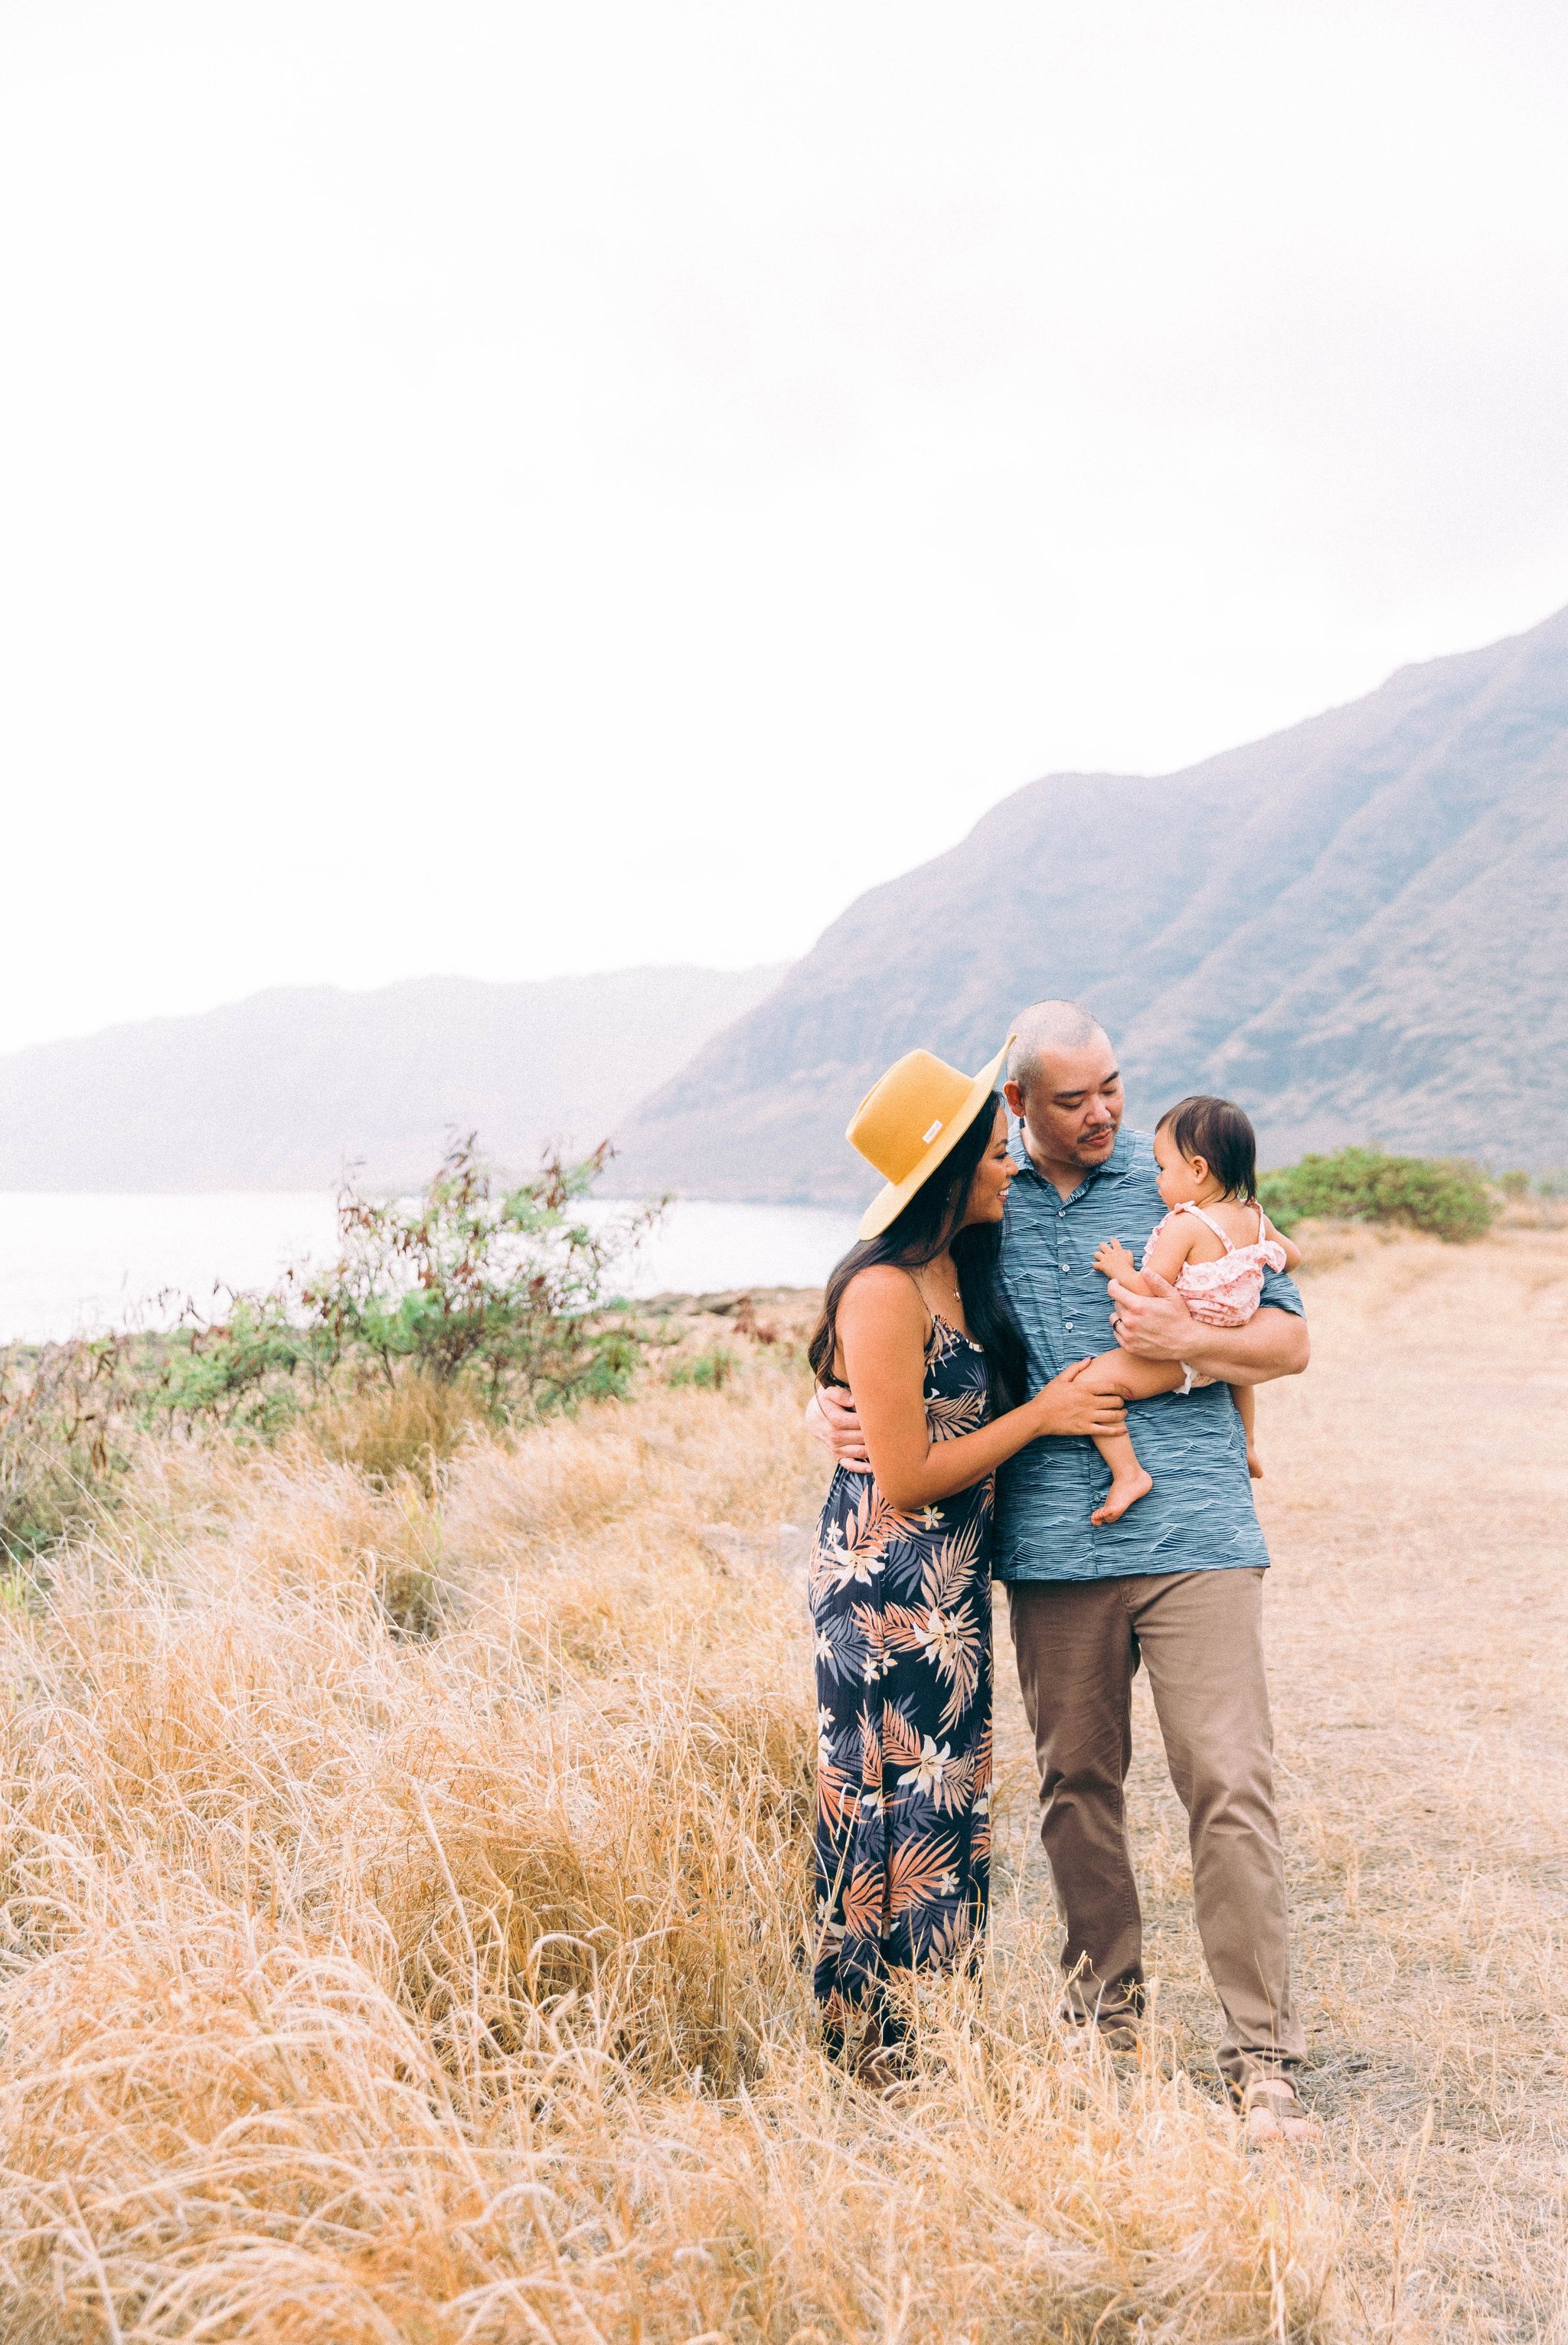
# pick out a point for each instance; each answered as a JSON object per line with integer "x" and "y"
{"x": 1180, "y": 1180}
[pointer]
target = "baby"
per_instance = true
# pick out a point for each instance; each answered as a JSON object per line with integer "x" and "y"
{"x": 1212, "y": 1247}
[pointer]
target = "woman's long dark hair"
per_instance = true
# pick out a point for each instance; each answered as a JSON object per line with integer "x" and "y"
{"x": 930, "y": 1222}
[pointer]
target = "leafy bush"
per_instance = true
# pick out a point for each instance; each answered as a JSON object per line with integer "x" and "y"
{"x": 501, "y": 1292}
{"x": 64, "y": 1410}
{"x": 476, "y": 1303}
{"x": 495, "y": 1293}
{"x": 1444, "y": 1196}
{"x": 709, "y": 1370}
{"x": 251, "y": 1373}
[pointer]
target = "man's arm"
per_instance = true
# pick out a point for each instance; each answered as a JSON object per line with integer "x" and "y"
{"x": 833, "y": 1418}
{"x": 1159, "y": 1326}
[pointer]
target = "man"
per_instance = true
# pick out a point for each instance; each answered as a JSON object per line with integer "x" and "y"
{"x": 1177, "y": 1582}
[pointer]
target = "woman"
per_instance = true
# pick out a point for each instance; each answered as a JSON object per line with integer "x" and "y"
{"x": 915, "y": 1321}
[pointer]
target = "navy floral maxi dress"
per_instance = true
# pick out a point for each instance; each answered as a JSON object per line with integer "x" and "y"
{"x": 901, "y": 1604}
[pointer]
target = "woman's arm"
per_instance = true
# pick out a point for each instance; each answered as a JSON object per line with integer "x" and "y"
{"x": 882, "y": 1332}
{"x": 1075, "y": 1410}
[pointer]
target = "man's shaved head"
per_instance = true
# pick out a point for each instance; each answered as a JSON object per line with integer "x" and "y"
{"x": 1045, "y": 1029}
{"x": 1064, "y": 1087}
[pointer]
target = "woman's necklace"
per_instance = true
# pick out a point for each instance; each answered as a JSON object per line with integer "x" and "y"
{"x": 951, "y": 1290}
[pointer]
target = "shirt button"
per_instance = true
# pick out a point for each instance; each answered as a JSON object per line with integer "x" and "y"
{"x": 1068, "y": 1324}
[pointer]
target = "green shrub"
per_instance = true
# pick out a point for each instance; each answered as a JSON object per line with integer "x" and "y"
{"x": 1444, "y": 1196}
{"x": 475, "y": 1302}
{"x": 251, "y": 1373}
{"x": 710, "y": 1371}
{"x": 65, "y": 1411}
{"x": 495, "y": 1293}
{"x": 501, "y": 1291}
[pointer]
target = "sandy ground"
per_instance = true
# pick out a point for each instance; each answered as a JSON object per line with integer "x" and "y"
{"x": 1415, "y": 1503}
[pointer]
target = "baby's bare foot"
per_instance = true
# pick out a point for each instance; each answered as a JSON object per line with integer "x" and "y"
{"x": 1122, "y": 1495}
{"x": 1253, "y": 1464}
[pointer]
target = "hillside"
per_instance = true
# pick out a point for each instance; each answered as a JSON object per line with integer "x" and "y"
{"x": 285, "y": 1090}
{"x": 1356, "y": 928}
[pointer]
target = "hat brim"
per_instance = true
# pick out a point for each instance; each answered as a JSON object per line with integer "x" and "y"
{"x": 889, "y": 1203}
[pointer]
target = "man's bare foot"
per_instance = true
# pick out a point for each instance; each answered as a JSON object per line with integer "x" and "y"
{"x": 1271, "y": 2112}
{"x": 1253, "y": 1464}
{"x": 1123, "y": 1495}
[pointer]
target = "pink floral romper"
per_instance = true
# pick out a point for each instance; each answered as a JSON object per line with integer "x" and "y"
{"x": 1223, "y": 1294}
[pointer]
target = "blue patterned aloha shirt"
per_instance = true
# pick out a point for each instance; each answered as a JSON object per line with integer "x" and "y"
{"x": 1199, "y": 1516}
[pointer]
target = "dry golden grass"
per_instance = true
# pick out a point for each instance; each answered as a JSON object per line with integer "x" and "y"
{"x": 1418, "y": 1513}
{"x": 1415, "y": 1503}
{"x": 404, "y": 1882}
{"x": 413, "y": 1428}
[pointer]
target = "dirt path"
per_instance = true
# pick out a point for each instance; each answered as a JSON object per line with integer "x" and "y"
{"x": 1416, "y": 1502}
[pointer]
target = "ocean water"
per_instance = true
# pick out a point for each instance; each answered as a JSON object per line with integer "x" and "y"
{"x": 76, "y": 1264}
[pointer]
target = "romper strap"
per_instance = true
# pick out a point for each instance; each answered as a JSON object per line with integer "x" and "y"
{"x": 1204, "y": 1218}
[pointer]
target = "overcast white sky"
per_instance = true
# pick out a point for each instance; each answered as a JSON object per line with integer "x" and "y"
{"x": 516, "y": 488}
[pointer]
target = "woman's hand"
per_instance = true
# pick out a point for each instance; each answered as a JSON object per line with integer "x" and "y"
{"x": 1112, "y": 1260}
{"x": 1066, "y": 1405}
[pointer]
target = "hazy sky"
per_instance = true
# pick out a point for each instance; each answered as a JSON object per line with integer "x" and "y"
{"x": 515, "y": 488}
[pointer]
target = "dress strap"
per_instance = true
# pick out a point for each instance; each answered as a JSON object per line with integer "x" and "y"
{"x": 1204, "y": 1218}
{"x": 925, "y": 1306}
{"x": 1262, "y": 1225}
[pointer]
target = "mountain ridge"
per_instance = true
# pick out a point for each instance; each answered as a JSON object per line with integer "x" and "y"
{"x": 294, "y": 1086}
{"x": 1353, "y": 925}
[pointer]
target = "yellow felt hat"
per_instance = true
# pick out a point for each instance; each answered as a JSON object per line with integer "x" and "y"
{"x": 910, "y": 1120}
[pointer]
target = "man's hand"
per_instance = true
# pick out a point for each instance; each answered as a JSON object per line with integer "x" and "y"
{"x": 830, "y": 1419}
{"x": 1157, "y": 1325}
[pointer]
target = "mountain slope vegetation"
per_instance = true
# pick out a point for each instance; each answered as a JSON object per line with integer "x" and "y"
{"x": 1356, "y": 928}
{"x": 289, "y": 1088}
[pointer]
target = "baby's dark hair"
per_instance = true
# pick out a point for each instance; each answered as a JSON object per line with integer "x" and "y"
{"x": 1218, "y": 1132}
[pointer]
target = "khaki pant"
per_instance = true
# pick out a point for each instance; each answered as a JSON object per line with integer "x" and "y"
{"x": 1078, "y": 1644}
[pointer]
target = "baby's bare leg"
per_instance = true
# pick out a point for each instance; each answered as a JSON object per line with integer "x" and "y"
{"x": 1246, "y": 1399}
{"x": 1133, "y": 1379}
